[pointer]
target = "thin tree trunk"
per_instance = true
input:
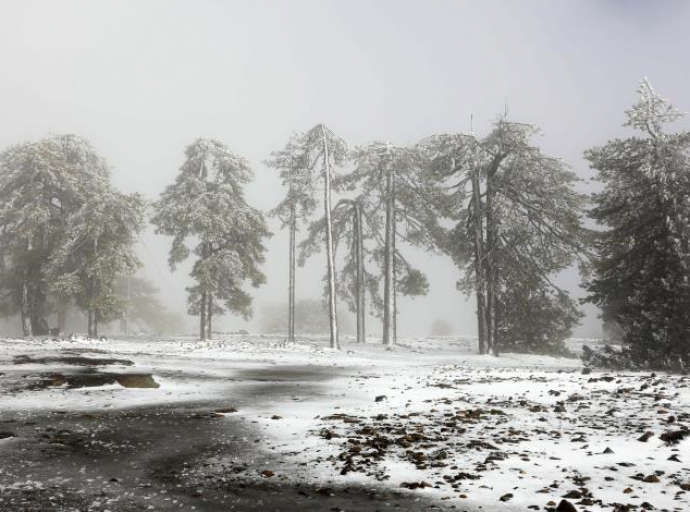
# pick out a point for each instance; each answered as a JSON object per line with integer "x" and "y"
{"x": 394, "y": 274}
{"x": 479, "y": 261}
{"x": 89, "y": 323}
{"x": 202, "y": 319}
{"x": 62, "y": 317}
{"x": 209, "y": 316}
{"x": 26, "y": 326}
{"x": 332, "y": 313}
{"x": 291, "y": 286}
{"x": 95, "y": 324}
{"x": 125, "y": 323}
{"x": 388, "y": 282}
{"x": 359, "y": 286}
{"x": 491, "y": 278}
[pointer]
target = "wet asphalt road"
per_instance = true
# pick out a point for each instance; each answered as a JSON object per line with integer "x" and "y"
{"x": 173, "y": 457}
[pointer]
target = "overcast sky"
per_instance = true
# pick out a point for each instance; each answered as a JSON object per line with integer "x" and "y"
{"x": 142, "y": 79}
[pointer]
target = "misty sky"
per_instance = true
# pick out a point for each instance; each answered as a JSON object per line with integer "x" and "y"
{"x": 142, "y": 79}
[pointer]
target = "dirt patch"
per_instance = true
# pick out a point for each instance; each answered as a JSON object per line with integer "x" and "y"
{"x": 73, "y": 360}
{"x": 89, "y": 380}
{"x": 141, "y": 380}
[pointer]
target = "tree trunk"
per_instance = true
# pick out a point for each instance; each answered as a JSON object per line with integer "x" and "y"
{"x": 125, "y": 320}
{"x": 491, "y": 271}
{"x": 209, "y": 316}
{"x": 95, "y": 325}
{"x": 388, "y": 265}
{"x": 332, "y": 313}
{"x": 202, "y": 317}
{"x": 360, "y": 289}
{"x": 26, "y": 326}
{"x": 291, "y": 286}
{"x": 478, "y": 230}
{"x": 62, "y": 317}
{"x": 89, "y": 323}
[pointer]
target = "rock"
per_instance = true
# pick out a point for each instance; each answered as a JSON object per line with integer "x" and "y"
{"x": 565, "y": 506}
{"x": 6, "y": 435}
{"x": 674, "y": 436}
{"x": 651, "y": 479}
{"x": 381, "y": 398}
{"x": 276, "y": 417}
{"x": 139, "y": 381}
{"x": 645, "y": 437}
{"x": 415, "y": 485}
{"x": 226, "y": 410}
{"x": 608, "y": 450}
{"x": 506, "y": 497}
{"x": 573, "y": 495}
{"x": 586, "y": 371}
{"x": 267, "y": 473}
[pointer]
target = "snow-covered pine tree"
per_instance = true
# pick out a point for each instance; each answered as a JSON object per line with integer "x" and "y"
{"x": 41, "y": 184}
{"x": 641, "y": 278}
{"x": 206, "y": 206}
{"x": 97, "y": 249}
{"x": 354, "y": 281}
{"x": 393, "y": 207}
{"x": 321, "y": 151}
{"x": 513, "y": 233}
{"x": 297, "y": 206}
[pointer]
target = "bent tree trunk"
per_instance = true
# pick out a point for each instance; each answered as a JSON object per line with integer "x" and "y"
{"x": 332, "y": 314}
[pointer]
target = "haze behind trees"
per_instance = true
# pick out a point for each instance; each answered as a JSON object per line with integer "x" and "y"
{"x": 556, "y": 66}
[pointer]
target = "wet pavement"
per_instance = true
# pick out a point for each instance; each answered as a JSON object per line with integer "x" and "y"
{"x": 174, "y": 457}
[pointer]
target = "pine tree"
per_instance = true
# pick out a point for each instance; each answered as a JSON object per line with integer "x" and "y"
{"x": 41, "y": 185}
{"x": 97, "y": 249}
{"x": 206, "y": 204}
{"x": 321, "y": 151}
{"x": 393, "y": 207}
{"x": 297, "y": 206}
{"x": 354, "y": 281}
{"x": 642, "y": 276}
{"x": 517, "y": 224}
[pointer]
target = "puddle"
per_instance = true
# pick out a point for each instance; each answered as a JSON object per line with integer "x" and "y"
{"x": 90, "y": 380}
{"x": 72, "y": 360}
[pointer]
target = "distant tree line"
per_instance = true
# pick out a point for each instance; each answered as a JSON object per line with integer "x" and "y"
{"x": 505, "y": 212}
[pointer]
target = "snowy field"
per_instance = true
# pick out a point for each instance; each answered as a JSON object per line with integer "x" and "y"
{"x": 427, "y": 419}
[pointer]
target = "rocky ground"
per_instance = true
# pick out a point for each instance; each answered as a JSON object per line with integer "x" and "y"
{"x": 251, "y": 423}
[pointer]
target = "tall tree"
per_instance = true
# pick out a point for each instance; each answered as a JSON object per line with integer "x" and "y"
{"x": 642, "y": 276}
{"x": 98, "y": 248}
{"x": 517, "y": 224}
{"x": 393, "y": 206}
{"x": 41, "y": 184}
{"x": 144, "y": 308}
{"x": 322, "y": 151}
{"x": 354, "y": 281}
{"x": 297, "y": 206}
{"x": 206, "y": 203}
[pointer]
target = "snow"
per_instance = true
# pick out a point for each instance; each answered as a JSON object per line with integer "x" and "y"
{"x": 425, "y": 382}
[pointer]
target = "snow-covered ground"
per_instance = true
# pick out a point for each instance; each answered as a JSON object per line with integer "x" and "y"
{"x": 508, "y": 433}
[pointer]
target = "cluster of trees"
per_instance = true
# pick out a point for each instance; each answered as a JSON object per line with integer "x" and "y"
{"x": 511, "y": 219}
{"x": 507, "y": 214}
{"x": 66, "y": 234}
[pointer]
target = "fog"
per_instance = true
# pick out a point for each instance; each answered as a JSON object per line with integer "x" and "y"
{"x": 141, "y": 80}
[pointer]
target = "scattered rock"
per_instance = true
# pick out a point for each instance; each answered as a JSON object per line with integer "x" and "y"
{"x": 565, "y": 506}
